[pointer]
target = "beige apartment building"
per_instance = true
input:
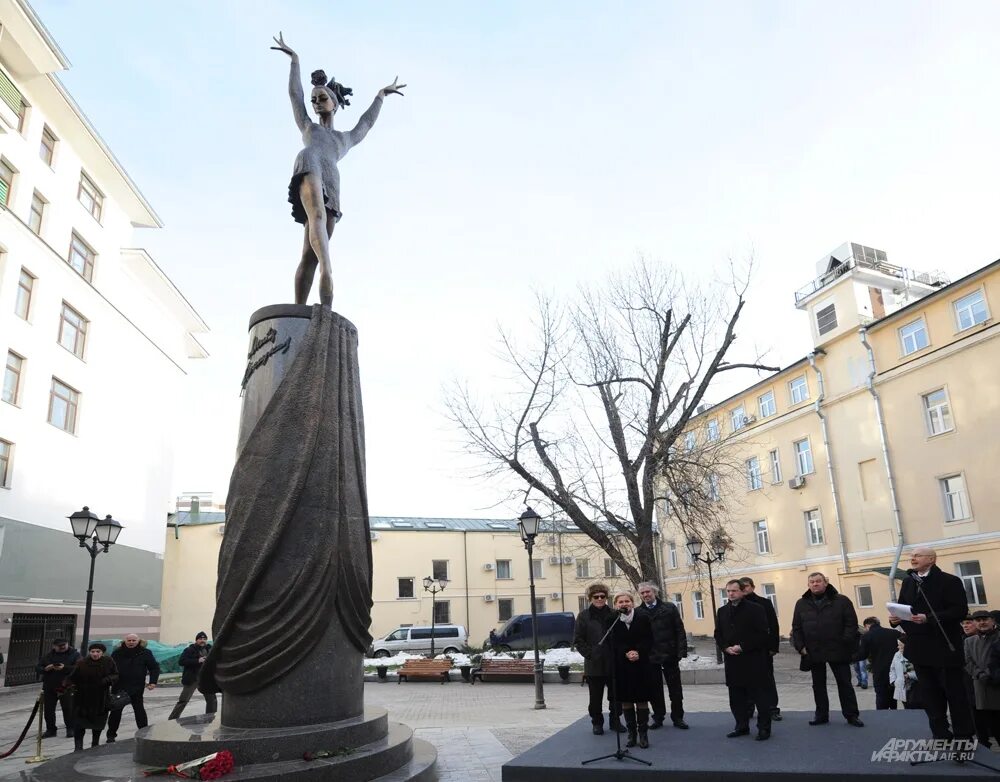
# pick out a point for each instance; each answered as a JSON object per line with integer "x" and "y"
{"x": 884, "y": 437}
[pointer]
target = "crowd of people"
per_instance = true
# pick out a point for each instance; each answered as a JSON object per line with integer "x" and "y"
{"x": 94, "y": 690}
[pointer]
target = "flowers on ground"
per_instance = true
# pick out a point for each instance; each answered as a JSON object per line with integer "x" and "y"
{"x": 213, "y": 766}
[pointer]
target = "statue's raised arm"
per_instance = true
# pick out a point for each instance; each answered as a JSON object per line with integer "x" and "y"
{"x": 359, "y": 131}
{"x": 294, "y": 83}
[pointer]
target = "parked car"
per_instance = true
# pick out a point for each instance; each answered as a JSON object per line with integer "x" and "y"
{"x": 448, "y": 639}
{"x": 555, "y": 631}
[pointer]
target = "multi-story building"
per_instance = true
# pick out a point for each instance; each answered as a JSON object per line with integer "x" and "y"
{"x": 884, "y": 436}
{"x": 96, "y": 342}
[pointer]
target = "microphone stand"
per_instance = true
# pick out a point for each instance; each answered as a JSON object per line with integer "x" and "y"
{"x": 619, "y": 754}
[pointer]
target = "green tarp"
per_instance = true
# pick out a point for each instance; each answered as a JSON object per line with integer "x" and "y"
{"x": 167, "y": 656}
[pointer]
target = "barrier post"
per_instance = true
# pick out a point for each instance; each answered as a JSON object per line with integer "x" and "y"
{"x": 38, "y": 756}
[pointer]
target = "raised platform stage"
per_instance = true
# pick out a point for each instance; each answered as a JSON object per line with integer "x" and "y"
{"x": 836, "y": 752}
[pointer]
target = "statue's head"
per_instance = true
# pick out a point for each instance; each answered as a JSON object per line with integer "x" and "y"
{"x": 327, "y": 97}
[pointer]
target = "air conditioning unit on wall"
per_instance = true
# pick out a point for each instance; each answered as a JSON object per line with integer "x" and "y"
{"x": 797, "y": 482}
{"x": 488, "y": 566}
{"x": 554, "y": 560}
{"x": 555, "y": 595}
{"x": 749, "y": 419}
{"x": 567, "y": 560}
{"x": 488, "y": 598}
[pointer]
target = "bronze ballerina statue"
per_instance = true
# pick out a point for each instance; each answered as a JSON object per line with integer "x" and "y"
{"x": 314, "y": 191}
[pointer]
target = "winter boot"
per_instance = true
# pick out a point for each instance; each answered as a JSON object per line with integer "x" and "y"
{"x": 630, "y": 722}
{"x": 642, "y": 722}
{"x": 615, "y": 723}
{"x": 78, "y": 740}
{"x": 95, "y": 738}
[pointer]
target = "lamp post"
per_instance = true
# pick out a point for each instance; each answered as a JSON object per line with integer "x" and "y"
{"x": 95, "y": 535}
{"x": 717, "y": 554}
{"x": 434, "y": 585}
{"x": 527, "y": 525}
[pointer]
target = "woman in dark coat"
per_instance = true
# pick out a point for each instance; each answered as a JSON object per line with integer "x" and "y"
{"x": 632, "y": 640}
{"x": 91, "y": 679}
{"x": 591, "y": 625}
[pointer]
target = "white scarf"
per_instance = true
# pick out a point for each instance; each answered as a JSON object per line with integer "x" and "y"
{"x": 627, "y": 618}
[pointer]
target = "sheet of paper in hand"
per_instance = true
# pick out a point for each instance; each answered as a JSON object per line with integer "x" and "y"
{"x": 900, "y": 611}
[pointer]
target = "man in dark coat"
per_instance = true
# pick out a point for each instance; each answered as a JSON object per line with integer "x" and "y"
{"x": 935, "y": 646}
{"x": 825, "y": 629}
{"x": 54, "y": 667}
{"x": 879, "y": 644}
{"x": 669, "y": 647}
{"x": 191, "y": 661}
{"x": 741, "y": 633}
{"x": 773, "y": 638}
{"x": 591, "y": 625}
{"x": 134, "y": 662}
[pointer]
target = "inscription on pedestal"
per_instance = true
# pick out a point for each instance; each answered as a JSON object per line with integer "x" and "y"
{"x": 258, "y": 344}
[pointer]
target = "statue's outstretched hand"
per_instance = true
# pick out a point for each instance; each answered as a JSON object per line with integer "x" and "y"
{"x": 392, "y": 89}
{"x": 284, "y": 47}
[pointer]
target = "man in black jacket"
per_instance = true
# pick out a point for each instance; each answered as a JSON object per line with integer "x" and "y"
{"x": 192, "y": 659}
{"x": 134, "y": 662}
{"x": 879, "y": 644}
{"x": 825, "y": 628}
{"x": 669, "y": 647}
{"x": 54, "y": 667}
{"x": 773, "y": 638}
{"x": 935, "y": 646}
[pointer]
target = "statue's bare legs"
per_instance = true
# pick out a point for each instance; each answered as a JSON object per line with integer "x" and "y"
{"x": 316, "y": 247}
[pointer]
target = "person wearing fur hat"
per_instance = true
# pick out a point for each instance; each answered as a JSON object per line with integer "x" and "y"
{"x": 134, "y": 663}
{"x": 91, "y": 678}
{"x": 591, "y": 625}
{"x": 192, "y": 659}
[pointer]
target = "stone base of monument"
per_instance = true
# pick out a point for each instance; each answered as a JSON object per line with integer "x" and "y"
{"x": 369, "y": 748}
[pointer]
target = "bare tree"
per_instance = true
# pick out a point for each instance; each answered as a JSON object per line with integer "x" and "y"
{"x": 600, "y": 401}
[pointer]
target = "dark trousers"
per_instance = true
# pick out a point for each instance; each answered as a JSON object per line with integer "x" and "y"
{"x": 772, "y": 689}
{"x": 66, "y": 701}
{"x": 842, "y": 675}
{"x": 741, "y": 703}
{"x": 942, "y": 692}
{"x": 115, "y": 718}
{"x": 670, "y": 672}
{"x": 595, "y": 708}
{"x": 883, "y": 693}
{"x": 211, "y": 703}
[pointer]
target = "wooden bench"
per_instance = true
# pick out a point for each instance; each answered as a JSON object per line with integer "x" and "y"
{"x": 425, "y": 669}
{"x": 504, "y": 669}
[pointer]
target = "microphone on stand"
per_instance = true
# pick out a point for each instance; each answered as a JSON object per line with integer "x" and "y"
{"x": 914, "y": 575}
{"x": 623, "y": 610}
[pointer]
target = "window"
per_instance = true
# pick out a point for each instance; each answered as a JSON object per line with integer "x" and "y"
{"x": 863, "y": 596}
{"x": 699, "y": 605}
{"x": 25, "y": 285}
{"x": 6, "y": 457}
{"x": 956, "y": 499}
{"x": 678, "y": 601}
{"x": 442, "y": 612}
{"x": 505, "y": 608}
{"x": 814, "y": 527}
{"x": 503, "y": 568}
{"x": 91, "y": 198}
{"x": 712, "y": 430}
{"x": 583, "y": 568}
{"x": 753, "y": 474}
{"x": 712, "y": 490}
{"x": 7, "y": 173}
{"x": 775, "y": 459}
{"x": 581, "y": 602}
{"x": 536, "y": 568}
{"x": 81, "y": 258}
{"x": 913, "y": 337}
{"x": 803, "y": 457}
{"x": 610, "y": 568}
{"x": 689, "y": 441}
{"x": 768, "y": 591}
{"x": 826, "y": 318}
{"x": 63, "y": 405}
{"x": 738, "y": 418}
{"x": 47, "y": 149}
{"x": 540, "y": 605}
{"x": 439, "y": 569}
{"x": 11, "y": 95}
{"x": 798, "y": 389}
{"x": 765, "y": 405}
{"x": 761, "y": 537}
{"x": 672, "y": 554}
{"x": 937, "y": 412}
{"x": 37, "y": 212}
{"x": 405, "y": 588}
{"x": 970, "y": 310}
{"x": 73, "y": 331}
{"x": 12, "y": 378}
{"x": 972, "y": 576}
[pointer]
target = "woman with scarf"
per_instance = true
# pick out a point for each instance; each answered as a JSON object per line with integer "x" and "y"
{"x": 92, "y": 679}
{"x": 632, "y": 638}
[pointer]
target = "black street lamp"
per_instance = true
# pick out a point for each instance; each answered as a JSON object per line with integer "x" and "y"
{"x": 718, "y": 554}
{"x": 434, "y": 585}
{"x": 527, "y": 525}
{"x": 95, "y": 535}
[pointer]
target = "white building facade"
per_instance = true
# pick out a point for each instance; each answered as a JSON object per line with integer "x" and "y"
{"x": 96, "y": 342}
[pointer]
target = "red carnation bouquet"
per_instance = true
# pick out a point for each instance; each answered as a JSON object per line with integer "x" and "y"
{"x": 213, "y": 766}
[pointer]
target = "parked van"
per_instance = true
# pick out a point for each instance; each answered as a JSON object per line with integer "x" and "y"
{"x": 448, "y": 639}
{"x": 555, "y": 631}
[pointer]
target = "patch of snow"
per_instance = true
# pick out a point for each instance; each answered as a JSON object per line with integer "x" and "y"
{"x": 396, "y": 659}
{"x": 699, "y": 661}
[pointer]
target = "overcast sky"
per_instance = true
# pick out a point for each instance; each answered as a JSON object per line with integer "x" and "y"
{"x": 539, "y": 145}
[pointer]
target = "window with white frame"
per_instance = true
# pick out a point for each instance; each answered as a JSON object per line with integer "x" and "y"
{"x": 722, "y": 598}
{"x": 503, "y": 569}
{"x": 803, "y": 457}
{"x": 798, "y": 389}
{"x": 73, "y": 331}
{"x": 688, "y": 559}
{"x": 37, "y": 213}
{"x": 672, "y": 554}
{"x": 754, "y": 481}
{"x": 583, "y": 568}
{"x": 713, "y": 490}
{"x": 12, "y": 378}
{"x": 775, "y": 459}
{"x": 761, "y": 537}
{"x": 439, "y": 569}
{"x": 540, "y": 605}
{"x": 536, "y": 568}
{"x": 712, "y": 430}
{"x": 699, "y": 605}
{"x": 81, "y": 257}
{"x": 913, "y": 337}
{"x": 64, "y": 402}
{"x": 610, "y": 568}
{"x": 970, "y": 310}
{"x": 972, "y": 577}
{"x": 404, "y": 588}
{"x": 25, "y": 286}
{"x": 91, "y": 198}
{"x": 47, "y": 148}
{"x": 581, "y": 602}
{"x": 689, "y": 441}
{"x": 738, "y": 418}
{"x": 7, "y": 174}
{"x": 956, "y": 498}
{"x": 768, "y": 591}
{"x": 863, "y": 596}
{"x": 814, "y": 527}
{"x": 765, "y": 404}
{"x": 937, "y": 412}
{"x": 826, "y": 318}
{"x": 678, "y": 600}
{"x": 6, "y": 463}
{"x": 505, "y": 608}
{"x": 442, "y": 612}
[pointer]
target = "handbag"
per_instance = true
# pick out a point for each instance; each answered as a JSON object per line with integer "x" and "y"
{"x": 118, "y": 700}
